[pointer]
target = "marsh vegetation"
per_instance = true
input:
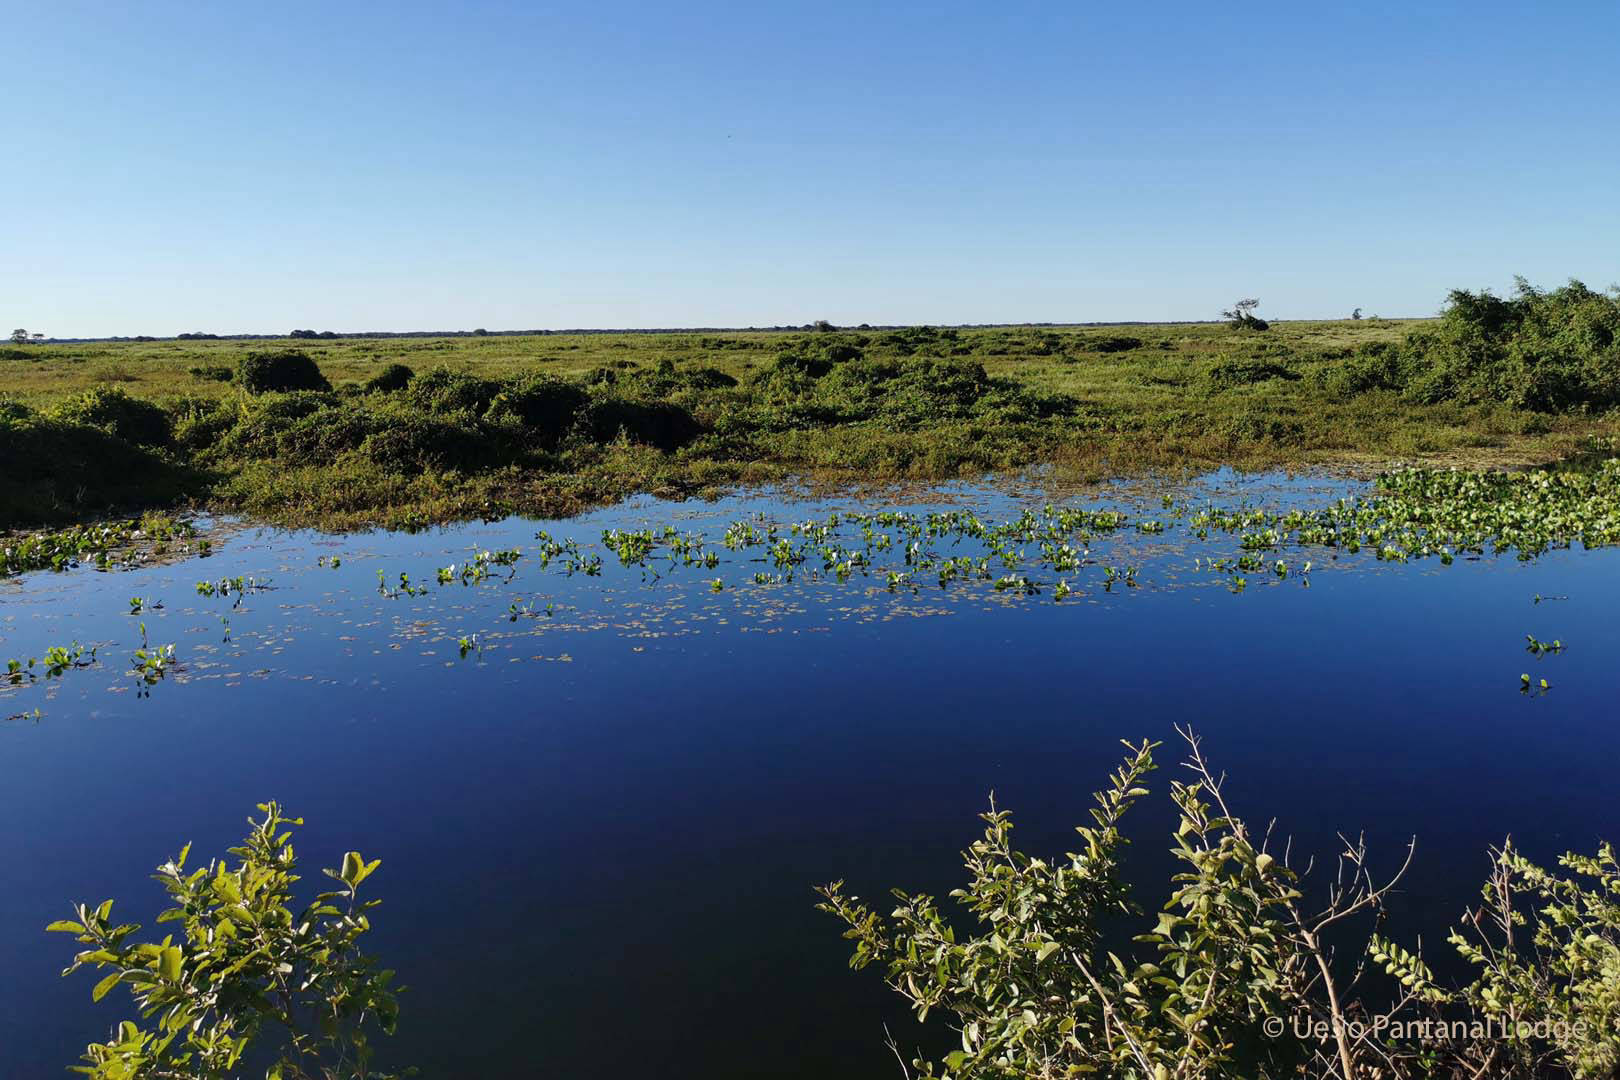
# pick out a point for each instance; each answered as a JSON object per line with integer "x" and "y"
{"x": 404, "y": 432}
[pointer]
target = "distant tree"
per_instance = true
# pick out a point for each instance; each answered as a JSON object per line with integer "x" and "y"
{"x": 480, "y": 332}
{"x": 823, "y": 326}
{"x": 302, "y": 334}
{"x": 1242, "y": 316}
{"x": 1356, "y": 314}
{"x": 38, "y": 338}
{"x": 19, "y": 336}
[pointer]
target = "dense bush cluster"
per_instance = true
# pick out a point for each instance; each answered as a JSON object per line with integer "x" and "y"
{"x": 279, "y": 372}
{"x": 1227, "y": 373}
{"x": 390, "y": 379}
{"x": 113, "y": 411}
{"x": 403, "y": 423}
{"x": 90, "y": 455}
{"x": 837, "y": 383}
{"x": 1250, "y": 967}
{"x": 1556, "y": 351}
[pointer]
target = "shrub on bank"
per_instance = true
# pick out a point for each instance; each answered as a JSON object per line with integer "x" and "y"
{"x": 115, "y": 412}
{"x": 661, "y": 424}
{"x": 1556, "y": 351}
{"x": 61, "y": 470}
{"x": 413, "y": 441}
{"x": 544, "y": 406}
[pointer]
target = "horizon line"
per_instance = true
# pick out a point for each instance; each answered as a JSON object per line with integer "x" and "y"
{"x": 332, "y": 335}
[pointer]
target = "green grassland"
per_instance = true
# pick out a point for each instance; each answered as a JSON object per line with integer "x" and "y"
{"x": 553, "y": 423}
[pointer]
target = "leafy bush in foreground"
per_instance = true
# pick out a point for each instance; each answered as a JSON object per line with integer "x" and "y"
{"x": 1547, "y": 351}
{"x": 251, "y": 972}
{"x": 279, "y": 372}
{"x": 1243, "y": 976}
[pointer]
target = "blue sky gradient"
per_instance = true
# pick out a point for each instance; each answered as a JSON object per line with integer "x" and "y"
{"x": 434, "y": 166}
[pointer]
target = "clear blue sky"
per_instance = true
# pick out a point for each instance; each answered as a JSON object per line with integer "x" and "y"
{"x": 237, "y": 168}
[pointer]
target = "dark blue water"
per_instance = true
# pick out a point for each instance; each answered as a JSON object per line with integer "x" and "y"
{"x": 599, "y": 835}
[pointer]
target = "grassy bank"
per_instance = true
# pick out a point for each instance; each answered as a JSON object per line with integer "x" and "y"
{"x": 553, "y": 423}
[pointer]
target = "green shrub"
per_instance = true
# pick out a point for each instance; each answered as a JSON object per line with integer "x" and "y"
{"x": 212, "y": 373}
{"x": 115, "y": 412}
{"x": 200, "y": 421}
{"x": 1225, "y": 374}
{"x": 412, "y": 441}
{"x": 906, "y": 392}
{"x": 667, "y": 380}
{"x": 739, "y": 423}
{"x": 286, "y": 984}
{"x": 441, "y": 390}
{"x": 58, "y": 470}
{"x": 322, "y": 437}
{"x": 1555, "y": 351}
{"x": 279, "y": 372}
{"x": 1262, "y": 425}
{"x": 256, "y": 428}
{"x": 811, "y": 363}
{"x": 390, "y": 380}
{"x": 1378, "y": 365}
{"x": 1010, "y": 402}
{"x": 661, "y": 424}
{"x": 543, "y": 405}
{"x": 1110, "y": 343}
{"x": 1240, "y": 973}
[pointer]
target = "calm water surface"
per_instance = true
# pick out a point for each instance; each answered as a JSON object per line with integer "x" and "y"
{"x": 599, "y": 835}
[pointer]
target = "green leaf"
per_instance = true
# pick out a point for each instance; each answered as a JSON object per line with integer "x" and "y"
{"x": 105, "y": 985}
{"x": 64, "y": 926}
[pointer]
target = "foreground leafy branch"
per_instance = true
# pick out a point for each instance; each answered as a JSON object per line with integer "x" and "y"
{"x": 246, "y": 973}
{"x": 1243, "y": 974}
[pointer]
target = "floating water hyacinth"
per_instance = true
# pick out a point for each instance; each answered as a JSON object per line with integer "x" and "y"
{"x": 57, "y": 660}
{"x": 150, "y": 664}
{"x": 239, "y": 586}
{"x": 1542, "y": 648}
